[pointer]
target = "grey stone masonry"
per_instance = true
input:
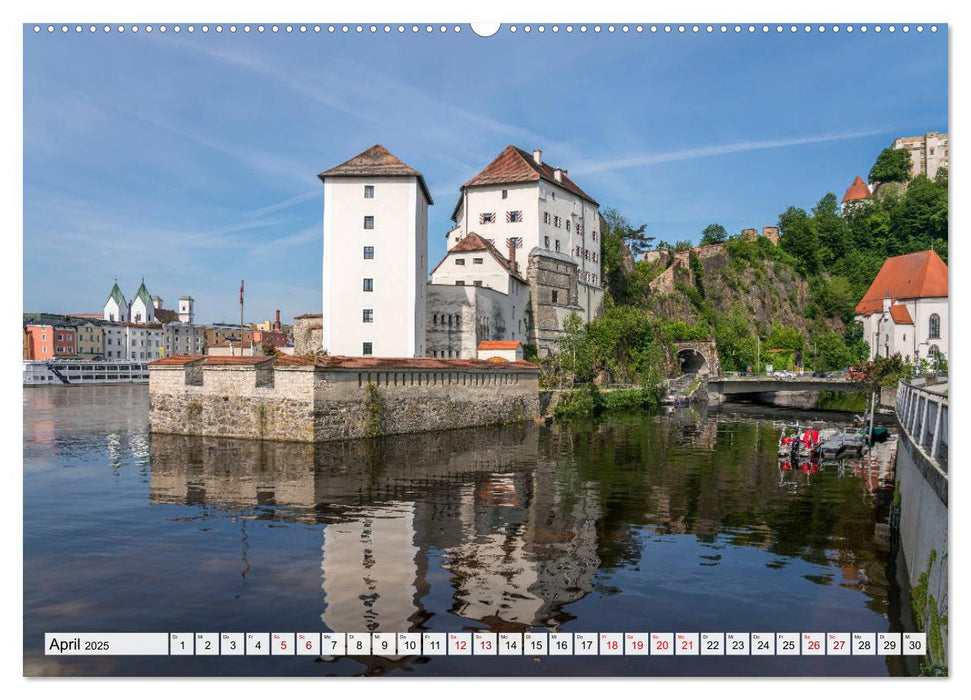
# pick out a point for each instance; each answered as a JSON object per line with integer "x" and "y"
{"x": 304, "y": 399}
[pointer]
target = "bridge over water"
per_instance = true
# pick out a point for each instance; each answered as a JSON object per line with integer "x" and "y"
{"x": 728, "y": 385}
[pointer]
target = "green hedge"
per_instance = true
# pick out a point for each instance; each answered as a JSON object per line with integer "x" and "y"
{"x": 588, "y": 400}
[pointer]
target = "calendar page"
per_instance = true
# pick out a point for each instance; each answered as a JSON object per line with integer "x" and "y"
{"x": 522, "y": 349}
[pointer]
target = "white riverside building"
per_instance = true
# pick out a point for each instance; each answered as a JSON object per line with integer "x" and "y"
{"x": 905, "y": 310}
{"x": 518, "y": 196}
{"x": 375, "y": 248}
{"x": 376, "y": 297}
{"x": 475, "y": 294}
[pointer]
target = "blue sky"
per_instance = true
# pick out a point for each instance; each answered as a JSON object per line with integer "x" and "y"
{"x": 191, "y": 160}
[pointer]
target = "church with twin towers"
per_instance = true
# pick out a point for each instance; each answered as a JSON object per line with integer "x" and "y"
{"x": 523, "y": 254}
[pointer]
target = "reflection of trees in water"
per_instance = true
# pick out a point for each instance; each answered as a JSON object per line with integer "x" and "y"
{"x": 647, "y": 476}
{"x": 522, "y": 517}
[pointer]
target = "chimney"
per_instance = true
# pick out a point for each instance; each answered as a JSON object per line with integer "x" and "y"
{"x": 558, "y": 175}
{"x": 886, "y": 303}
{"x": 511, "y": 242}
{"x": 276, "y": 324}
{"x": 538, "y": 156}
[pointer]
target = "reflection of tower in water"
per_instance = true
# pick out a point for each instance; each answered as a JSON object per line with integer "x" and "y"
{"x": 369, "y": 569}
{"x": 523, "y": 552}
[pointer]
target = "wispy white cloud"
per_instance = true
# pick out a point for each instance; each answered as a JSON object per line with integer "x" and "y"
{"x": 275, "y": 246}
{"x": 644, "y": 159}
{"x": 285, "y": 204}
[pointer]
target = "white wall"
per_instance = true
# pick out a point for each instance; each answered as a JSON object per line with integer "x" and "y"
{"x": 115, "y": 312}
{"x": 142, "y": 313}
{"x": 183, "y": 339}
{"x": 908, "y": 340}
{"x": 399, "y": 267}
{"x": 489, "y": 272}
{"x": 535, "y": 200}
{"x": 483, "y": 314}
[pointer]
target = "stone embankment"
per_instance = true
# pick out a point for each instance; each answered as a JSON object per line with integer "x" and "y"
{"x": 303, "y": 399}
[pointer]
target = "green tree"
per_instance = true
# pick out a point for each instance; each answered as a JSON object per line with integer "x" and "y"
{"x": 836, "y": 297}
{"x": 713, "y": 233}
{"x": 921, "y": 214}
{"x": 799, "y": 239}
{"x": 832, "y": 230}
{"x": 634, "y": 237}
{"x": 892, "y": 165}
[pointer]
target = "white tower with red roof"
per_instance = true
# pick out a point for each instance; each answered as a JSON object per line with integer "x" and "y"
{"x": 375, "y": 269}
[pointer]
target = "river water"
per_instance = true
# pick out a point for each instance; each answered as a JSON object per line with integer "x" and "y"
{"x": 679, "y": 523}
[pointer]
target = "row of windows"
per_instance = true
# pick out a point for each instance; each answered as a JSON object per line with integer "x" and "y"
{"x": 512, "y": 217}
{"x": 586, "y": 253}
{"x": 461, "y": 261}
{"x": 450, "y": 318}
{"x": 475, "y": 283}
{"x": 432, "y": 378}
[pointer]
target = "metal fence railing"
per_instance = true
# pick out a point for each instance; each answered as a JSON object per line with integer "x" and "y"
{"x": 923, "y": 414}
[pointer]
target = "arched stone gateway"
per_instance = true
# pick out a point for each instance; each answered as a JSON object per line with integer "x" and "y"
{"x": 697, "y": 356}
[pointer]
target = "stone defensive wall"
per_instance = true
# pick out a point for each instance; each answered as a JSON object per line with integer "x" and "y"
{"x": 304, "y": 399}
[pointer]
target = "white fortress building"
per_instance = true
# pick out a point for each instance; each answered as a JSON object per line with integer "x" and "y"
{"x": 523, "y": 255}
{"x": 905, "y": 309}
{"x": 375, "y": 248}
{"x": 519, "y": 197}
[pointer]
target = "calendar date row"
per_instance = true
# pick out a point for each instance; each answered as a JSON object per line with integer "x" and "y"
{"x": 337, "y": 644}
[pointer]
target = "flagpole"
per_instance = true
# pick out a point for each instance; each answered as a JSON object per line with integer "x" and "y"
{"x": 241, "y": 317}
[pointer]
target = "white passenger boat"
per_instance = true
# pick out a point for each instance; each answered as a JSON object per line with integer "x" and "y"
{"x": 67, "y": 372}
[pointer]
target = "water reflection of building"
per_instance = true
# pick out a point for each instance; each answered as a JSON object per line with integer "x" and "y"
{"x": 369, "y": 570}
{"x": 518, "y": 549}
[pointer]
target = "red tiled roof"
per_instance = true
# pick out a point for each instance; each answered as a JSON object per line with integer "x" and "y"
{"x": 858, "y": 190}
{"x": 178, "y": 360}
{"x": 900, "y": 315}
{"x": 376, "y": 161}
{"x": 342, "y": 362}
{"x": 474, "y": 242}
{"x": 252, "y": 360}
{"x": 913, "y": 276}
{"x": 294, "y": 361}
{"x": 499, "y": 344}
{"x": 516, "y": 165}
{"x": 427, "y": 363}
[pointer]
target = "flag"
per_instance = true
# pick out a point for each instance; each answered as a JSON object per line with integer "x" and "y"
{"x": 241, "y": 293}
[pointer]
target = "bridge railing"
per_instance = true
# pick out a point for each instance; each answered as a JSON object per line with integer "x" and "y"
{"x": 922, "y": 413}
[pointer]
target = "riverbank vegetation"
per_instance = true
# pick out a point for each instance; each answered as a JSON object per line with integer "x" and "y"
{"x": 765, "y": 305}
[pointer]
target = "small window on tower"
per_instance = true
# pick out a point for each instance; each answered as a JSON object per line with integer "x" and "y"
{"x": 553, "y": 296}
{"x": 368, "y": 191}
{"x": 368, "y": 222}
{"x": 476, "y": 261}
{"x": 367, "y": 349}
{"x": 368, "y": 284}
{"x": 460, "y": 283}
{"x": 368, "y": 316}
{"x": 505, "y": 193}
{"x": 459, "y": 261}
{"x": 369, "y": 252}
